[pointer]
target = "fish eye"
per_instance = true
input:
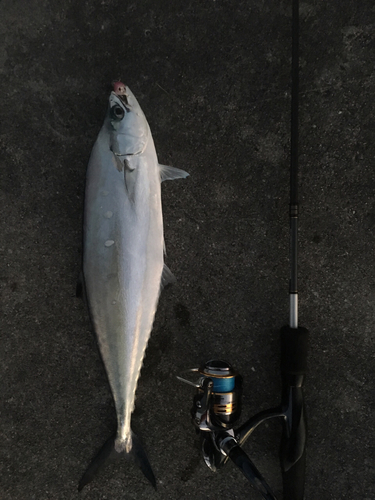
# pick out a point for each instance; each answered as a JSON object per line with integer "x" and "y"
{"x": 117, "y": 112}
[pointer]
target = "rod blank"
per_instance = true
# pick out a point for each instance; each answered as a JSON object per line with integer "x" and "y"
{"x": 293, "y": 206}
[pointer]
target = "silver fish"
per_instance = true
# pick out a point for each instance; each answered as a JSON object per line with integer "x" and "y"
{"x": 123, "y": 259}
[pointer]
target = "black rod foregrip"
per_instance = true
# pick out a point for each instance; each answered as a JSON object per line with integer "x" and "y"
{"x": 294, "y": 347}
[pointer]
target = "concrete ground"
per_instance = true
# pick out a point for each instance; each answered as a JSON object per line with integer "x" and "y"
{"x": 213, "y": 79}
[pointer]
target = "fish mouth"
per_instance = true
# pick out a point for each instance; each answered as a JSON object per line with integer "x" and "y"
{"x": 123, "y": 99}
{"x": 120, "y": 90}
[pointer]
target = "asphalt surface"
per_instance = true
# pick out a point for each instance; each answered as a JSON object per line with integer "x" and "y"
{"x": 213, "y": 79}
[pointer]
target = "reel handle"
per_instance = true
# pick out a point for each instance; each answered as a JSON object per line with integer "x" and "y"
{"x": 233, "y": 450}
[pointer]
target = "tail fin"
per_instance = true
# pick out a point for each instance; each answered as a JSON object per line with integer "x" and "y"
{"x": 109, "y": 453}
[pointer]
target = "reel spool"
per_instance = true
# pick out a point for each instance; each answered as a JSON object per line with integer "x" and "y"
{"x": 217, "y": 404}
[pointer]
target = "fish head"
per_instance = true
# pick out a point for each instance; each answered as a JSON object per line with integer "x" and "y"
{"x": 126, "y": 123}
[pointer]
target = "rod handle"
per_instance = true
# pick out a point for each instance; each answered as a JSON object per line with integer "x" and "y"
{"x": 294, "y": 347}
{"x": 294, "y": 480}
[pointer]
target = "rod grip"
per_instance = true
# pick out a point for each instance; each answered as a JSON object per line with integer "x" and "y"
{"x": 294, "y": 480}
{"x": 294, "y": 346}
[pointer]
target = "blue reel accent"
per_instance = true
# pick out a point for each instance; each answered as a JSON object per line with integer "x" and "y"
{"x": 223, "y": 384}
{"x": 221, "y": 373}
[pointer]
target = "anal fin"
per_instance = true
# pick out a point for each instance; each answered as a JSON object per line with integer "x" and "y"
{"x": 167, "y": 277}
{"x": 80, "y": 288}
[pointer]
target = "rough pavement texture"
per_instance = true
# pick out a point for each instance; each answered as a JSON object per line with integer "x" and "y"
{"x": 213, "y": 79}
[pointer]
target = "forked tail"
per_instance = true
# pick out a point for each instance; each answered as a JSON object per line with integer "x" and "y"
{"x": 108, "y": 453}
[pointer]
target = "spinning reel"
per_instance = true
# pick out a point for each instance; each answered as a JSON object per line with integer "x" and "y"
{"x": 216, "y": 409}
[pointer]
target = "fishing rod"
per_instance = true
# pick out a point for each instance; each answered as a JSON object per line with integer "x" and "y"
{"x": 217, "y": 403}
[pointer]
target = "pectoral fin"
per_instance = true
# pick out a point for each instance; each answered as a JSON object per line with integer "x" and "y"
{"x": 171, "y": 173}
{"x": 118, "y": 162}
{"x": 129, "y": 178}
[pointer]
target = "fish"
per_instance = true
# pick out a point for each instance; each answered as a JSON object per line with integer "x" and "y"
{"x": 123, "y": 259}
